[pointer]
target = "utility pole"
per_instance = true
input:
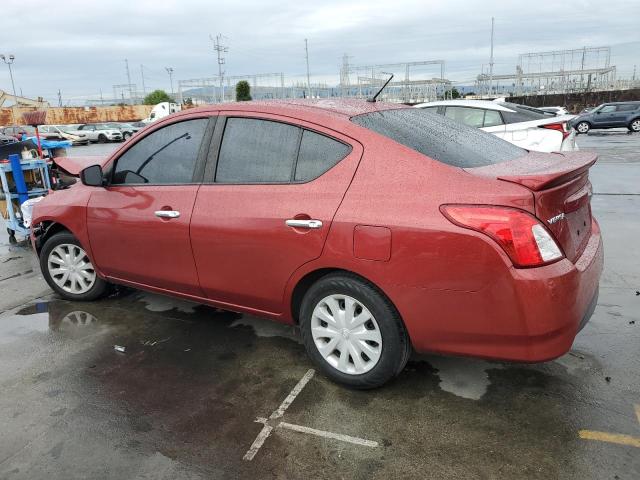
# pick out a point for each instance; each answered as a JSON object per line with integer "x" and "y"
{"x": 13, "y": 85}
{"x": 101, "y": 99}
{"x": 170, "y": 72}
{"x": 220, "y": 49}
{"x": 491, "y": 59}
{"x": 634, "y": 73}
{"x": 306, "y": 51}
{"x": 144, "y": 89}
{"x": 59, "y": 98}
{"x": 126, "y": 62}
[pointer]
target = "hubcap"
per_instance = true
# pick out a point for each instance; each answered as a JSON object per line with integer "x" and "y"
{"x": 71, "y": 269}
{"x": 635, "y": 126}
{"x": 583, "y": 127}
{"x": 346, "y": 334}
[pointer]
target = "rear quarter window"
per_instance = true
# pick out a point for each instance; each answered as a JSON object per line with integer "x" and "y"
{"x": 440, "y": 138}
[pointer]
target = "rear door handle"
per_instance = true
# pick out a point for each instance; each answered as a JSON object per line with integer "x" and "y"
{"x": 304, "y": 223}
{"x": 167, "y": 213}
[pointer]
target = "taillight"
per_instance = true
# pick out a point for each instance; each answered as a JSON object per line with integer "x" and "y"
{"x": 521, "y": 235}
{"x": 560, "y": 127}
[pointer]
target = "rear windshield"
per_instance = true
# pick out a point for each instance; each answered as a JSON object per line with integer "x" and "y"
{"x": 439, "y": 137}
{"x": 522, "y": 113}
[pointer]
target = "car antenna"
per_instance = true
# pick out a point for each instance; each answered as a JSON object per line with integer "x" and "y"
{"x": 373, "y": 99}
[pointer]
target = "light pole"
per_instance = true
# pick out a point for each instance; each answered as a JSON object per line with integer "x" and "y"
{"x": 170, "y": 72}
{"x": 13, "y": 85}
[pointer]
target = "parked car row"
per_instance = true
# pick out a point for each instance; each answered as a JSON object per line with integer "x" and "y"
{"x": 78, "y": 134}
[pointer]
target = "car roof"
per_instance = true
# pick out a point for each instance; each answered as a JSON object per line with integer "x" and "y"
{"x": 305, "y": 108}
{"x": 486, "y": 104}
{"x": 622, "y": 103}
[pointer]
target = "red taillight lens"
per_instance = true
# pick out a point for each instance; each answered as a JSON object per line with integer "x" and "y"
{"x": 560, "y": 127}
{"x": 520, "y": 234}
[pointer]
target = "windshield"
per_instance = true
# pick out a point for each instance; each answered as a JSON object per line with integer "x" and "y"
{"x": 439, "y": 137}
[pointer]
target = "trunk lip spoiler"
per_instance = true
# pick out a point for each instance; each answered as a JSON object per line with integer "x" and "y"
{"x": 539, "y": 171}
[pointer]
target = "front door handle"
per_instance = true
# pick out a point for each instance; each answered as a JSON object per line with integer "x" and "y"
{"x": 304, "y": 223}
{"x": 167, "y": 213}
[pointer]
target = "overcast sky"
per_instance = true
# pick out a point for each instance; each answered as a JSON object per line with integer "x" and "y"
{"x": 80, "y": 46}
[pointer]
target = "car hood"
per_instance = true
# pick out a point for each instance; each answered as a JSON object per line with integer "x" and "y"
{"x": 74, "y": 165}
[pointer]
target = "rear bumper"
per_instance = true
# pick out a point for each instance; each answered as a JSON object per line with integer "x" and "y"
{"x": 529, "y": 315}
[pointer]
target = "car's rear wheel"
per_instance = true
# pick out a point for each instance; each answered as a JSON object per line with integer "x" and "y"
{"x": 126, "y": 136}
{"x": 353, "y": 332}
{"x": 634, "y": 126}
{"x": 583, "y": 127}
{"x": 68, "y": 270}
{"x": 102, "y": 138}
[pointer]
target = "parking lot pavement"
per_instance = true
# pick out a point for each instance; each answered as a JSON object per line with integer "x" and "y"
{"x": 196, "y": 389}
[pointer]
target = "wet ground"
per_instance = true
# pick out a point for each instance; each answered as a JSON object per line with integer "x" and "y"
{"x": 182, "y": 400}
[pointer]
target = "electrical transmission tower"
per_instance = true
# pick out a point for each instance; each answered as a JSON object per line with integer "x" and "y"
{"x": 220, "y": 50}
{"x": 126, "y": 62}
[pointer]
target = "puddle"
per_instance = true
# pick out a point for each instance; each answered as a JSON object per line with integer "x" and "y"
{"x": 267, "y": 328}
{"x": 162, "y": 303}
{"x": 464, "y": 377}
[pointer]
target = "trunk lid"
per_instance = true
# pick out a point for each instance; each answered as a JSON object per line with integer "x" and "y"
{"x": 559, "y": 183}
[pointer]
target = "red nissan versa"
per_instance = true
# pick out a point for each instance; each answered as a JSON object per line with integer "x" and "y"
{"x": 375, "y": 227}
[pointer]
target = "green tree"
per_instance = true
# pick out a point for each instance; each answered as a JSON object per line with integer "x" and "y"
{"x": 157, "y": 96}
{"x": 455, "y": 93}
{"x": 243, "y": 91}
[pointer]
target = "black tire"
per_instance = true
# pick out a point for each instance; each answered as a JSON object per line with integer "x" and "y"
{"x": 396, "y": 346}
{"x": 99, "y": 286}
{"x": 102, "y": 138}
{"x": 583, "y": 127}
{"x": 126, "y": 136}
{"x": 634, "y": 125}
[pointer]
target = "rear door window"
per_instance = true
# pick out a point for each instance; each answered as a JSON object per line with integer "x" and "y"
{"x": 318, "y": 153}
{"x": 474, "y": 117}
{"x": 627, "y": 107}
{"x": 257, "y": 151}
{"x": 166, "y": 156}
{"x": 440, "y": 138}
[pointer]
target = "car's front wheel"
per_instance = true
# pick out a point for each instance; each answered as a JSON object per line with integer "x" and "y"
{"x": 126, "y": 136}
{"x": 353, "y": 332}
{"x": 583, "y": 127}
{"x": 634, "y": 126}
{"x": 102, "y": 138}
{"x": 68, "y": 270}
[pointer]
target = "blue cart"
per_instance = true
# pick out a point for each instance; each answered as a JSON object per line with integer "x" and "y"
{"x": 13, "y": 218}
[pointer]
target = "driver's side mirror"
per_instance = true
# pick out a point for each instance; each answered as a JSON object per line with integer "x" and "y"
{"x": 92, "y": 176}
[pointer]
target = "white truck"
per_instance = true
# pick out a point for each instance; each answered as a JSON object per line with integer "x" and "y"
{"x": 161, "y": 110}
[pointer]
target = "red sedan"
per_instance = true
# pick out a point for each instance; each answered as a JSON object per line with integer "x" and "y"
{"x": 374, "y": 227}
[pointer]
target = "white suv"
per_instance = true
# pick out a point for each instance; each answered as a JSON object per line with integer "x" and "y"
{"x": 98, "y": 132}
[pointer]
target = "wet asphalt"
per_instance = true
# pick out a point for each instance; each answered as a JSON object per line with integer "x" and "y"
{"x": 182, "y": 401}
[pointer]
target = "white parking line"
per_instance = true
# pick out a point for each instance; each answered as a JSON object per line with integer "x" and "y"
{"x": 267, "y": 429}
{"x": 257, "y": 443}
{"x": 279, "y": 412}
{"x": 335, "y": 436}
{"x": 292, "y": 396}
